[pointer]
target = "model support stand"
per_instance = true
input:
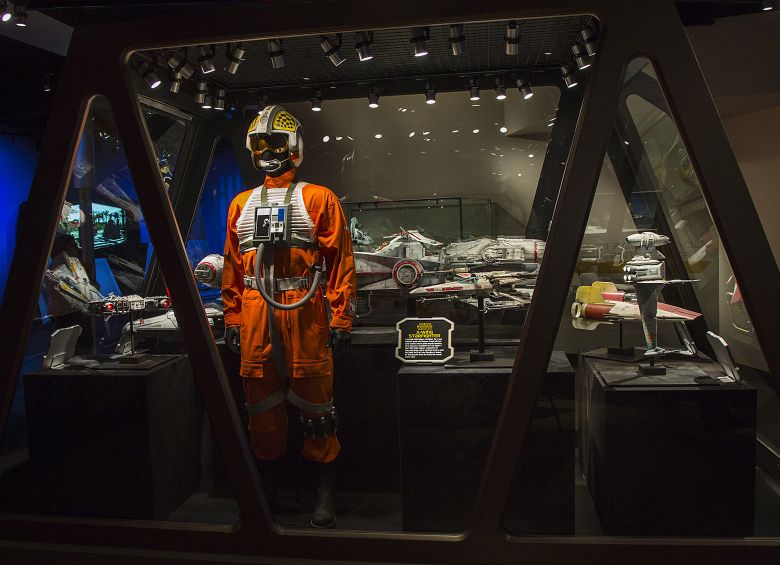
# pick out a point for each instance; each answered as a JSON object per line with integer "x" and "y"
{"x": 480, "y": 354}
{"x": 651, "y": 369}
{"x": 621, "y": 349}
{"x": 134, "y": 358}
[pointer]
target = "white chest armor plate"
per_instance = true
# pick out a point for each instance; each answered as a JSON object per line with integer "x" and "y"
{"x": 301, "y": 228}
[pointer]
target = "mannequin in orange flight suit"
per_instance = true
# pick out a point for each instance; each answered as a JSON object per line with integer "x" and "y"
{"x": 306, "y": 336}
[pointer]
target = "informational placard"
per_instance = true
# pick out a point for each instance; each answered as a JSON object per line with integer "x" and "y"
{"x": 425, "y": 340}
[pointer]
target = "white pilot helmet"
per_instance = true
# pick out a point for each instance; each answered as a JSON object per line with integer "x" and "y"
{"x": 277, "y": 134}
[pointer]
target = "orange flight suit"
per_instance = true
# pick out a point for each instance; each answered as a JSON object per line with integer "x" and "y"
{"x": 303, "y": 331}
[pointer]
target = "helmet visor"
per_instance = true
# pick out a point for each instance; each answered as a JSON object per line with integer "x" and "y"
{"x": 276, "y": 142}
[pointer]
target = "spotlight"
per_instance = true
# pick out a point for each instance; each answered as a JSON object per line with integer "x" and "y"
{"x": 219, "y": 100}
{"x": 150, "y": 76}
{"x": 316, "y": 102}
{"x": 363, "y": 42}
{"x": 179, "y": 64}
{"x": 5, "y": 10}
{"x": 568, "y": 75}
{"x": 206, "y": 105}
{"x": 262, "y": 103}
{"x": 500, "y": 89}
{"x": 175, "y": 81}
{"x": 419, "y": 37}
{"x": 512, "y": 38}
{"x": 201, "y": 89}
{"x": 205, "y": 58}
{"x": 235, "y": 56}
{"x": 473, "y": 89}
{"x": 430, "y": 94}
{"x": 276, "y": 53}
{"x": 20, "y": 15}
{"x": 47, "y": 82}
{"x": 768, "y": 5}
{"x": 373, "y": 100}
{"x": 589, "y": 39}
{"x": 457, "y": 39}
{"x": 580, "y": 56}
{"x": 525, "y": 88}
{"x": 332, "y": 50}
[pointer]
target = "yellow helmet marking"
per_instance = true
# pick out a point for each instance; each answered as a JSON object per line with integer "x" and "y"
{"x": 253, "y": 125}
{"x": 285, "y": 122}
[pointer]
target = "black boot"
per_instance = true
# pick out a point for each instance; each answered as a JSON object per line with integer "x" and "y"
{"x": 324, "y": 515}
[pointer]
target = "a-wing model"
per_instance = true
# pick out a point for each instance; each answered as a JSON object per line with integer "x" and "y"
{"x": 603, "y": 303}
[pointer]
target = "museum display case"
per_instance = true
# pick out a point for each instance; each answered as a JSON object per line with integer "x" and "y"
{"x": 381, "y": 283}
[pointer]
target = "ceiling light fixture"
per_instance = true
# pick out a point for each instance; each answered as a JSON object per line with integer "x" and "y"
{"x": 525, "y": 88}
{"x": 363, "y": 42}
{"x": 512, "y": 38}
{"x": 20, "y": 15}
{"x": 500, "y": 89}
{"x": 235, "y": 56}
{"x": 332, "y": 50}
{"x": 589, "y": 39}
{"x": 201, "y": 89}
{"x": 206, "y": 102}
{"x": 219, "y": 99}
{"x": 580, "y": 56}
{"x": 420, "y": 35}
{"x": 179, "y": 63}
{"x": 768, "y": 5}
{"x": 316, "y": 102}
{"x": 47, "y": 82}
{"x": 206, "y": 59}
{"x": 457, "y": 40}
{"x": 568, "y": 75}
{"x": 276, "y": 53}
{"x": 373, "y": 99}
{"x": 175, "y": 81}
{"x": 5, "y": 10}
{"x": 430, "y": 93}
{"x": 149, "y": 73}
{"x": 473, "y": 89}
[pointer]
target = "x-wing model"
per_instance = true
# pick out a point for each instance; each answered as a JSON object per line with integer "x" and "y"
{"x": 498, "y": 289}
{"x": 411, "y": 260}
{"x": 113, "y": 304}
{"x": 603, "y": 303}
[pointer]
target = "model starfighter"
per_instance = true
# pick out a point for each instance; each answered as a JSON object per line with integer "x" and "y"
{"x": 499, "y": 289}
{"x": 647, "y": 272}
{"x": 113, "y": 304}
{"x": 603, "y": 303}
{"x": 410, "y": 260}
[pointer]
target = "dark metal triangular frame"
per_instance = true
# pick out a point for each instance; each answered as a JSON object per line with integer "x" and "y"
{"x": 654, "y": 31}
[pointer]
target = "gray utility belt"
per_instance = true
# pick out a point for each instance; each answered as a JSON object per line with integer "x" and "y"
{"x": 281, "y": 285}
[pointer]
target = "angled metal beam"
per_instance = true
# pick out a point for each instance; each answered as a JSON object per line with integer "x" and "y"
{"x": 724, "y": 189}
{"x": 169, "y": 248}
{"x": 570, "y": 217}
{"x": 37, "y": 225}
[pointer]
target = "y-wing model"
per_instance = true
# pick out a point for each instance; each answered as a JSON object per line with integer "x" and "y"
{"x": 604, "y": 303}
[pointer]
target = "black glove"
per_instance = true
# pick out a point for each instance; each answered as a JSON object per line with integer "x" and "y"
{"x": 339, "y": 341}
{"x": 233, "y": 339}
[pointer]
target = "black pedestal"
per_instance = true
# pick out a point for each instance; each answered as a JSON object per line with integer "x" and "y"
{"x": 447, "y": 421}
{"x": 675, "y": 459}
{"x": 119, "y": 443}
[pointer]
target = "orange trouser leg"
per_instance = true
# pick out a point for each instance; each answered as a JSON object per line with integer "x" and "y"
{"x": 268, "y": 430}
{"x": 317, "y": 390}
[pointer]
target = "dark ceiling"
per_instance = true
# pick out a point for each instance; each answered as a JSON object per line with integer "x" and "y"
{"x": 545, "y": 44}
{"x": 25, "y": 106}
